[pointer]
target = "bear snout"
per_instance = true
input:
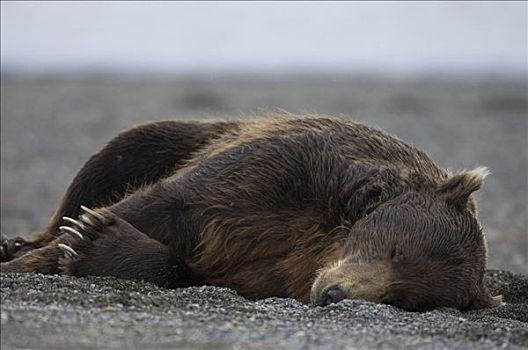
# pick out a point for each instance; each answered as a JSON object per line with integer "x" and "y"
{"x": 330, "y": 295}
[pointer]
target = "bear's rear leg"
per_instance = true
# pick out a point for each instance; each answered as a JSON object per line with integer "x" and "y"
{"x": 102, "y": 244}
{"x": 12, "y": 248}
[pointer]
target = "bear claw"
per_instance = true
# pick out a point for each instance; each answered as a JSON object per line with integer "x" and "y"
{"x": 74, "y": 222}
{"x": 71, "y": 230}
{"x": 67, "y": 250}
{"x": 88, "y": 225}
{"x": 92, "y": 213}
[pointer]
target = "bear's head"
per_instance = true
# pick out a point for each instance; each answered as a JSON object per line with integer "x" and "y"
{"x": 418, "y": 250}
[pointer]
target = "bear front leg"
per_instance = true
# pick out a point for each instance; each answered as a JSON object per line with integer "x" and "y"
{"x": 102, "y": 244}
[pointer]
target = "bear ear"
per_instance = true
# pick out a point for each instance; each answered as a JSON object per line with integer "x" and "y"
{"x": 485, "y": 300}
{"x": 457, "y": 188}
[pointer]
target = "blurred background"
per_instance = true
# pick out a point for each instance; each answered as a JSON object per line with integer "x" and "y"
{"x": 450, "y": 77}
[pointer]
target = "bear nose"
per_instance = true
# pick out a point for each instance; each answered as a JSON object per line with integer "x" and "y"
{"x": 332, "y": 295}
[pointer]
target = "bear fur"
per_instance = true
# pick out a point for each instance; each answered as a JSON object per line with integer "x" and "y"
{"x": 314, "y": 208}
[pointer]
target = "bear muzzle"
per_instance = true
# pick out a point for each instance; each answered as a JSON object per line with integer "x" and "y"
{"x": 330, "y": 295}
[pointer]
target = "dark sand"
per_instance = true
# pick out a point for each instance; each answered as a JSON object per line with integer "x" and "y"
{"x": 51, "y": 126}
{"x": 62, "y": 312}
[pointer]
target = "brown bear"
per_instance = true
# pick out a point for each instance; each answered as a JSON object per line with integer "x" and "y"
{"x": 314, "y": 208}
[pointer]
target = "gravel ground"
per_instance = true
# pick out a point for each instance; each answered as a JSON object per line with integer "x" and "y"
{"x": 62, "y": 312}
{"x": 49, "y": 127}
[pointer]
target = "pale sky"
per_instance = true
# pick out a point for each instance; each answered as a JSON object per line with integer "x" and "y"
{"x": 397, "y": 37}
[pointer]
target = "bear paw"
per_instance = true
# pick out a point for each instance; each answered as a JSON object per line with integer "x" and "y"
{"x": 93, "y": 238}
{"x": 11, "y": 248}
